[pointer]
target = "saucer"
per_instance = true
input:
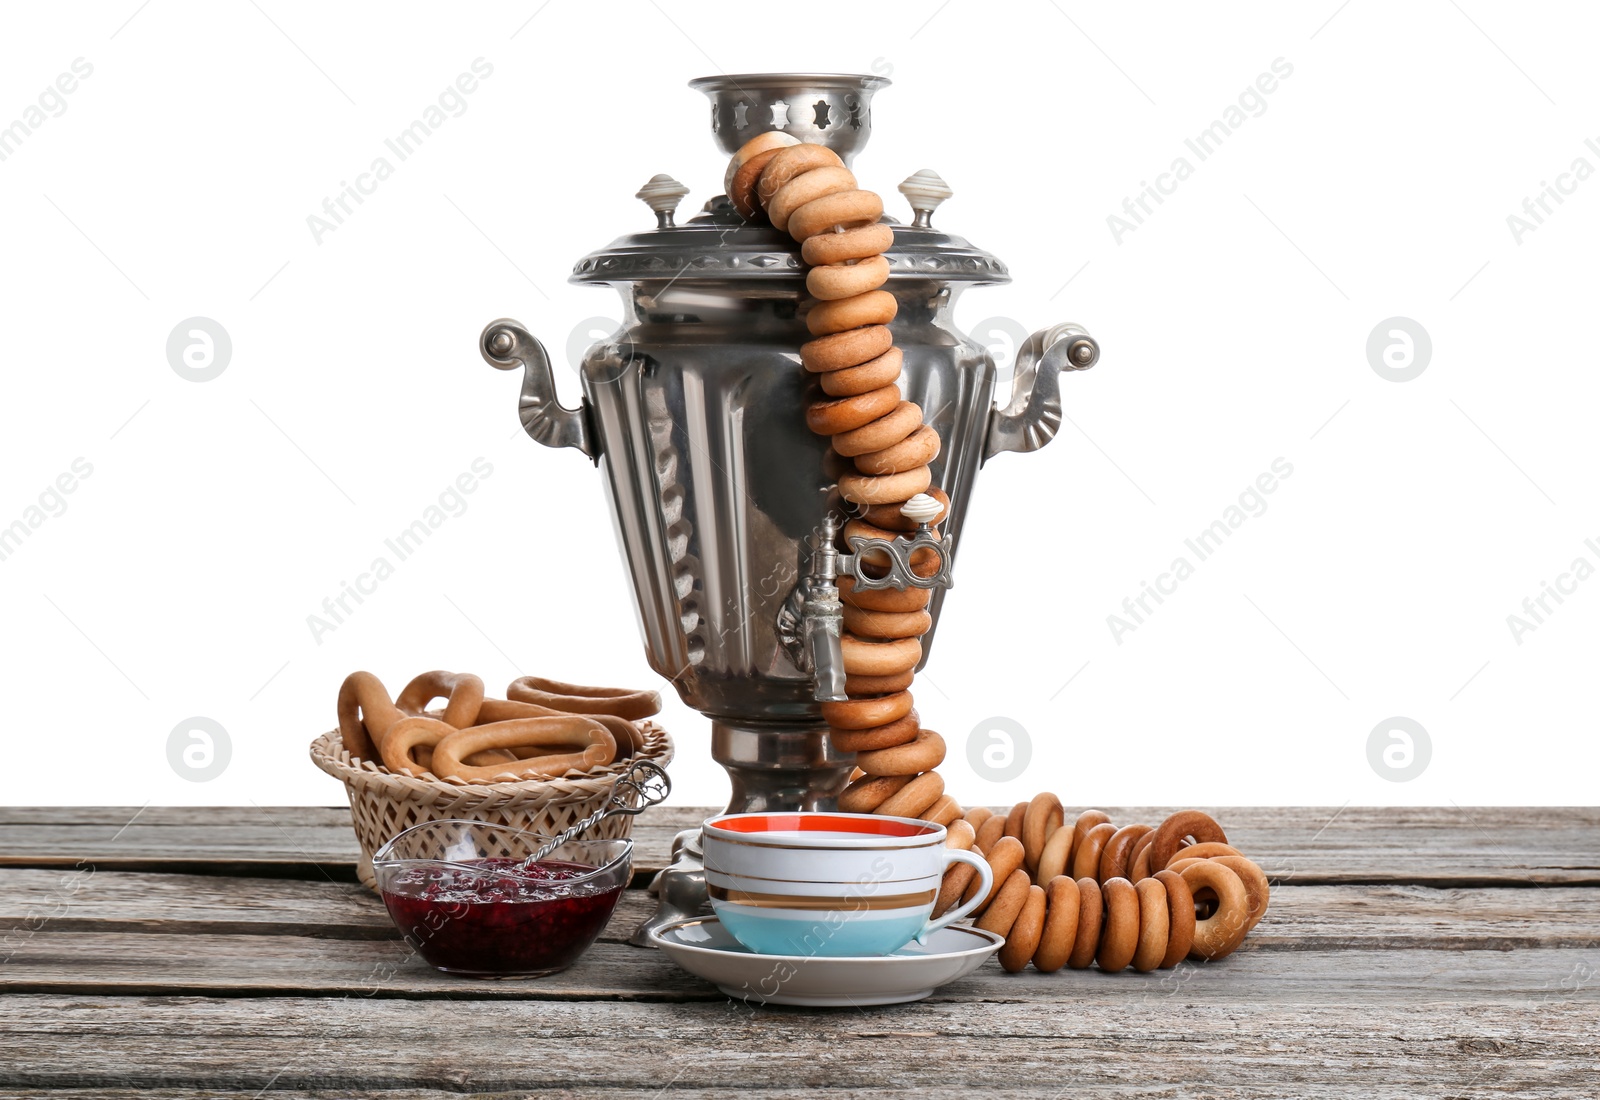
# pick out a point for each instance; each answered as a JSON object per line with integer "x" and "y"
{"x": 703, "y": 947}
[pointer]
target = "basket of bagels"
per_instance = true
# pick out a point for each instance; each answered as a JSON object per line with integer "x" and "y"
{"x": 541, "y": 759}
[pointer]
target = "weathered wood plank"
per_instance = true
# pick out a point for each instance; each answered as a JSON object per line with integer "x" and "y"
{"x": 1429, "y": 918}
{"x": 1153, "y": 1086}
{"x": 1439, "y": 846}
{"x": 1149, "y": 1087}
{"x": 308, "y": 842}
{"x": 1139, "y": 1048}
{"x": 118, "y": 964}
{"x": 71, "y": 900}
{"x": 1142, "y": 1089}
{"x": 1301, "y": 917}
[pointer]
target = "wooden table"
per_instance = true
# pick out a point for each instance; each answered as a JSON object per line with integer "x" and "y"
{"x": 229, "y": 952}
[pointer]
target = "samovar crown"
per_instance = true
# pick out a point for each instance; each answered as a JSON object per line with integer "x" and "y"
{"x": 832, "y": 109}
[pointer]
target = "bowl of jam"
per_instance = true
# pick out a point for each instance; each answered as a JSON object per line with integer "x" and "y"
{"x": 463, "y": 897}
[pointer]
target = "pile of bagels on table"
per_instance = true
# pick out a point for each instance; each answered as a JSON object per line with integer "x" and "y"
{"x": 1075, "y": 893}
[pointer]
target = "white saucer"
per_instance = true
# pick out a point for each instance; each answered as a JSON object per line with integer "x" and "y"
{"x": 706, "y": 949}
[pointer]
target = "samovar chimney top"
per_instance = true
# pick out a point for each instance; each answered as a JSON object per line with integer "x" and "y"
{"x": 832, "y": 109}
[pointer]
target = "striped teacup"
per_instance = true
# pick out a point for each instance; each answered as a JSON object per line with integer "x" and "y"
{"x": 830, "y": 883}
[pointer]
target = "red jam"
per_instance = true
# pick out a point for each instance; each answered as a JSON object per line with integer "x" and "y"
{"x": 489, "y": 923}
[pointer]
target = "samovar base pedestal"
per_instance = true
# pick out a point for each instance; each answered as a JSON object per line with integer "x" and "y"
{"x": 780, "y": 767}
{"x": 771, "y": 768}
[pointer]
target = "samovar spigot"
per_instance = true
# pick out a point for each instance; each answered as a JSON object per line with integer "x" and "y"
{"x": 822, "y": 613}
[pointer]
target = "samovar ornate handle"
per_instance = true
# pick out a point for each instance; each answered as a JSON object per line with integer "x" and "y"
{"x": 1033, "y": 416}
{"x": 504, "y": 344}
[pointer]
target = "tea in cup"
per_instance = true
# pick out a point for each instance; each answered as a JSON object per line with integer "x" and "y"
{"x": 834, "y": 884}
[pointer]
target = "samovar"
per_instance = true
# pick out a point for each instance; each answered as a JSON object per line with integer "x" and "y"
{"x": 724, "y": 502}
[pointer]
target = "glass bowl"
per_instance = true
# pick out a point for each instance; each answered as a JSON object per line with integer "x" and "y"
{"x": 454, "y": 891}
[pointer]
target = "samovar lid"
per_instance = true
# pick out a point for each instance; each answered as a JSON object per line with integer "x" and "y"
{"x": 832, "y": 109}
{"x": 719, "y": 244}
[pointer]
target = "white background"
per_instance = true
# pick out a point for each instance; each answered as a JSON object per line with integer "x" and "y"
{"x": 1234, "y": 322}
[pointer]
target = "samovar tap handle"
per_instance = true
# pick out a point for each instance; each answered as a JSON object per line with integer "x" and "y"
{"x": 1033, "y": 416}
{"x": 504, "y": 345}
{"x": 820, "y": 610}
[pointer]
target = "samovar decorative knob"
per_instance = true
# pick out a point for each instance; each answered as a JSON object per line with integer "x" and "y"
{"x": 1083, "y": 352}
{"x": 924, "y": 190}
{"x": 921, "y": 509}
{"x": 662, "y": 194}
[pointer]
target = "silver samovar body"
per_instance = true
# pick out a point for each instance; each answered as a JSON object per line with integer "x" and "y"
{"x": 694, "y": 412}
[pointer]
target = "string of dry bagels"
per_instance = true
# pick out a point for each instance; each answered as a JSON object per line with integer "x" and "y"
{"x": 1063, "y": 895}
{"x": 807, "y": 191}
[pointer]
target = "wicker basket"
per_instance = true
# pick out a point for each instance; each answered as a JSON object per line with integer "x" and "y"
{"x": 383, "y": 805}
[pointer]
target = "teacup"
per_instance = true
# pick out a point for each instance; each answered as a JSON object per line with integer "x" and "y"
{"x": 818, "y": 883}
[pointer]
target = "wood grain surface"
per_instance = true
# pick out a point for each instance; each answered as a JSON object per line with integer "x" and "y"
{"x": 1330, "y": 845}
{"x": 229, "y": 953}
